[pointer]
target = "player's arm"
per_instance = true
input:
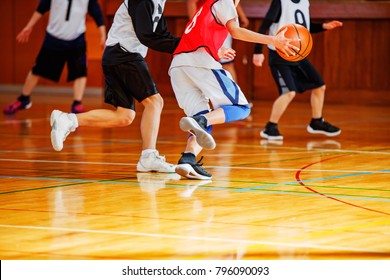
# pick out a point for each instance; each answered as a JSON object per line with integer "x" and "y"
{"x": 160, "y": 39}
{"x": 95, "y": 11}
{"x": 243, "y": 34}
{"x": 273, "y": 15}
{"x": 258, "y": 56}
{"x": 24, "y": 35}
{"x": 320, "y": 27}
{"x": 43, "y": 7}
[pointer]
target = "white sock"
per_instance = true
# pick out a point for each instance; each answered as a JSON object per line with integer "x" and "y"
{"x": 147, "y": 152}
{"x": 74, "y": 120}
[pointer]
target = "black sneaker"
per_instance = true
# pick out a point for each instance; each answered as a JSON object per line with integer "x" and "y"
{"x": 197, "y": 126}
{"x": 323, "y": 127}
{"x": 188, "y": 167}
{"x": 271, "y": 132}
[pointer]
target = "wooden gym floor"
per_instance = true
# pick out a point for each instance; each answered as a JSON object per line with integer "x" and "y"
{"x": 309, "y": 197}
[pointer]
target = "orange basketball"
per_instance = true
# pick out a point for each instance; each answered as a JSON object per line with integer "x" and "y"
{"x": 305, "y": 44}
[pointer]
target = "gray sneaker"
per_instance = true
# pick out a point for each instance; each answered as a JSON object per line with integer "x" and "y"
{"x": 197, "y": 126}
{"x": 61, "y": 126}
{"x": 155, "y": 162}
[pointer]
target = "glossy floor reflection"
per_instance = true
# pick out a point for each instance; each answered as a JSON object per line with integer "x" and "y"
{"x": 306, "y": 197}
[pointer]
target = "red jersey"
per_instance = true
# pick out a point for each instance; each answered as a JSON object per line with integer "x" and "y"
{"x": 203, "y": 31}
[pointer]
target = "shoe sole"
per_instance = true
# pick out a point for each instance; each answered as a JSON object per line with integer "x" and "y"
{"x": 53, "y": 118}
{"x": 266, "y": 136}
{"x": 203, "y": 138}
{"x": 330, "y": 134}
{"x": 186, "y": 170}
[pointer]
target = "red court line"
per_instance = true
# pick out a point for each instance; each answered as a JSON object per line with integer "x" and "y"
{"x": 297, "y": 177}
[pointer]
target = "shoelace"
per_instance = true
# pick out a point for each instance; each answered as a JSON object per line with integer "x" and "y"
{"x": 199, "y": 162}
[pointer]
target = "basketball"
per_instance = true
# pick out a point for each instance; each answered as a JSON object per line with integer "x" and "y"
{"x": 297, "y": 31}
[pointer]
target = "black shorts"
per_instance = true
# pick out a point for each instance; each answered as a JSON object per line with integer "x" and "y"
{"x": 293, "y": 76}
{"x": 128, "y": 80}
{"x": 55, "y": 53}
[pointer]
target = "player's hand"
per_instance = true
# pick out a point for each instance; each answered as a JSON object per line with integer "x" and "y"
{"x": 284, "y": 44}
{"x": 258, "y": 59}
{"x": 103, "y": 39}
{"x": 226, "y": 53}
{"x": 332, "y": 24}
{"x": 24, "y": 35}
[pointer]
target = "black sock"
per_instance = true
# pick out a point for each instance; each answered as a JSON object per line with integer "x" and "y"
{"x": 76, "y": 102}
{"x": 24, "y": 98}
{"x": 317, "y": 119}
{"x": 271, "y": 124}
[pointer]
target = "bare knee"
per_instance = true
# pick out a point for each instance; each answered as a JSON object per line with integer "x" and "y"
{"x": 290, "y": 95}
{"x": 125, "y": 117}
{"x": 320, "y": 90}
{"x": 154, "y": 102}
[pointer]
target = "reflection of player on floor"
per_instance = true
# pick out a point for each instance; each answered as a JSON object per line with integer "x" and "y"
{"x": 293, "y": 77}
{"x": 198, "y": 79}
{"x": 64, "y": 43}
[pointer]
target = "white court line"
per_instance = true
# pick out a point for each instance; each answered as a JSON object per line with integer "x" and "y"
{"x": 199, "y": 238}
{"x": 208, "y": 166}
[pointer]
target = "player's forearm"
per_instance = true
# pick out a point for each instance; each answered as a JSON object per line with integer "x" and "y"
{"x": 33, "y": 20}
{"x": 244, "y": 34}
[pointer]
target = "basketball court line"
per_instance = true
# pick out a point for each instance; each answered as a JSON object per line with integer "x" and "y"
{"x": 261, "y": 187}
{"x": 208, "y": 166}
{"x": 195, "y": 238}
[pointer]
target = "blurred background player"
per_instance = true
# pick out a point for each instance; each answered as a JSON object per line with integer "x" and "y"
{"x": 138, "y": 25}
{"x": 293, "y": 77}
{"x": 64, "y": 43}
{"x": 198, "y": 79}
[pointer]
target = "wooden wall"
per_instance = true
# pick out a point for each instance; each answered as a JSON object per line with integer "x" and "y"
{"x": 354, "y": 60}
{"x": 17, "y": 59}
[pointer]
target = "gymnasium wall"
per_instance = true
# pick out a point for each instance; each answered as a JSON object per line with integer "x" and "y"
{"x": 354, "y": 60}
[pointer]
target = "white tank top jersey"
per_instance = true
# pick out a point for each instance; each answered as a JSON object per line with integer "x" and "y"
{"x": 67, "y": 19}
{"x": 293, "y": 11}
{"x": 122, "y": 29}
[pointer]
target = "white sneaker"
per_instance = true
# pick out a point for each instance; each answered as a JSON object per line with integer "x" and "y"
{"x": 61, "y": 126}
{"x": 155, "y": 162}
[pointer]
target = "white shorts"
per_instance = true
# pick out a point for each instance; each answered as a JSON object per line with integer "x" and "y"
{"x": 195, "y": 87}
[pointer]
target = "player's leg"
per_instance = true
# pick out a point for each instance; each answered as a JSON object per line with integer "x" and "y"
{"x": 143, "y": 88}
{"x": 62, "y": 123}
{"x": 150, "y": 121}
{"x": 311, "y": 79}
{"x": 279, "y": 106}
{"x": 317, "y": 124}
{"x": 284, "y": 77}
{"x": 78, "y": 94}
{"x": 77, "y": 72}
{"x": 48, "y": 64}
